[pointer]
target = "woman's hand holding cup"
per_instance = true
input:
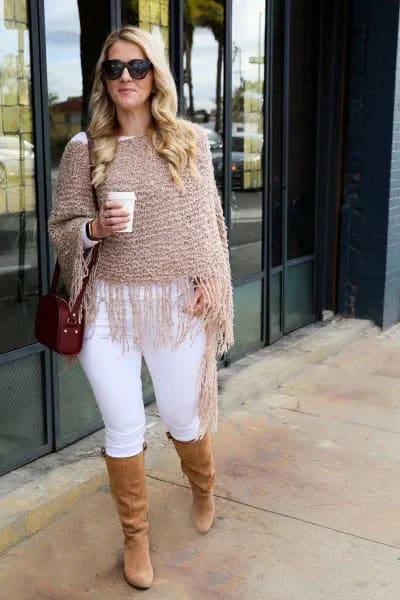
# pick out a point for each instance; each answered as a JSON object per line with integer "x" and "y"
{"x": 112, "y": 217}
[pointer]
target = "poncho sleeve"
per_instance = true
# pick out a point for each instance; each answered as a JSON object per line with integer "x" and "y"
{"x": 208, "y": 178}
{"x": 73, "y": 206}
{"x": 217, "y": 288}
{"x": 221, "y": 225}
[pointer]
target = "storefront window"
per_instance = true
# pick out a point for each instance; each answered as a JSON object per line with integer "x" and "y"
{"x": 19, "y": 276}
{"x": 247, "y": 135}
{"x": 21, "y": 391}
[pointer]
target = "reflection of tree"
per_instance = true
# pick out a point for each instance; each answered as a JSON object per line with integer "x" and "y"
{"x": 188, "y": 29}
{"x": 130, "y": 11}
{"x": 52, "y": 98}
{"x": 238, "y": 103}
{"x": 204, "y": 13}
{"x": 93, "y": 34}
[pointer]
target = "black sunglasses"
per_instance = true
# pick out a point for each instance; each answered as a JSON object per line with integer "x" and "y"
{"x": 137, "y": 68}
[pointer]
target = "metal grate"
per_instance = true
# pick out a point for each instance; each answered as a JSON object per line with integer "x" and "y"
{"x": 78, "y": 408}
{"x": 22, "y": 417}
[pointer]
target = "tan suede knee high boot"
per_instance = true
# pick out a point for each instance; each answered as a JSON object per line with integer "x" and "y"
{"x": 128, "y": 488}
{"x": 198, "y": 465}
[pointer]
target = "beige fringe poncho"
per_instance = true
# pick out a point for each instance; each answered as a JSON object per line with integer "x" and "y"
{"x": 177, "y": 235}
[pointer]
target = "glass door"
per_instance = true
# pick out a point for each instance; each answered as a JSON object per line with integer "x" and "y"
{"x": 293, "y": 164}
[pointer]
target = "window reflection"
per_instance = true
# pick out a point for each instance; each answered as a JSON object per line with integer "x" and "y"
{"x": 247, "y": 135}
{"x": 203, "y": 73}
{"x": 19, "y": 277}
{"x": 73, "y": 46}
{"x": 152, "y": 15}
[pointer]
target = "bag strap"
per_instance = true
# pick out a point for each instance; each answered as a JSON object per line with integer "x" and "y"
{"x": 93, "y": 258}
{"x": 55, "y": 278}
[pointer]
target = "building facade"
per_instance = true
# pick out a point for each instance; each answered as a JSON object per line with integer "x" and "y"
{"x": 300, "y": 99}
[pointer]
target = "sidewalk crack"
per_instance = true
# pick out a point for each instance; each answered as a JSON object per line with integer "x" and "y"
{"x": 288, "y": 516}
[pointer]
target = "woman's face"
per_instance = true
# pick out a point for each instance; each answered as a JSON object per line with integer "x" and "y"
{"x": 128, "y": 93}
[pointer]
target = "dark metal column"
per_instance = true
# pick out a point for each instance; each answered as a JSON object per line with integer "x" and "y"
{"x": 176, "y": 46}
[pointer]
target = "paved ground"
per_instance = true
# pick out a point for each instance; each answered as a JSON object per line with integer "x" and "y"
{"x": 307, "y": 457}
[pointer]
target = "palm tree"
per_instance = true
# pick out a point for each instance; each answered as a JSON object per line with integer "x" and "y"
{"x": 204, "y": 13}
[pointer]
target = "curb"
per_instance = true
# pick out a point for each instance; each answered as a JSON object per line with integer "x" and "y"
{"x": 32, "y": 507}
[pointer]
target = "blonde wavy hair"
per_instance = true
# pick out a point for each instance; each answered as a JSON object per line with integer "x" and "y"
{"x": 173, "y": 137}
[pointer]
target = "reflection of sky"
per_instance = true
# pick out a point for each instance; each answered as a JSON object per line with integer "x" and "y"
{"x": 63, "y": 49}
{"x": 245, "y": 27}
{"x": 63, "y": 52}
{"x": 205, "y": 49}
{"x": 204, "y": 69}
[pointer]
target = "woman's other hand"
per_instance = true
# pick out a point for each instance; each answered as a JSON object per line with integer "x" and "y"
{"x": 112, "y": 217}
{"x": 199, "y": 305}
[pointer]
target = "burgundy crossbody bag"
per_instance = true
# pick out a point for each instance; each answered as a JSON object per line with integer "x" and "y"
{"x": 56, "y": 324}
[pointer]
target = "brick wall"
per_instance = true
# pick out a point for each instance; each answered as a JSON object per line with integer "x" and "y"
{"x": 369, "y": 260}
{"x": 392, "y": 276}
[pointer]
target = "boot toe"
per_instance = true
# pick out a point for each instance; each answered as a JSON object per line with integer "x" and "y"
{"x": 139, "y": 576}
{"x": 141, "y": 581}
{"x": 138, "y": 570}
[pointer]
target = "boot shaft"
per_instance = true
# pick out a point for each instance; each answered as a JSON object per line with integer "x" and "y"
{"x": 197, "y": 462}
{"x": 129, "y": 491}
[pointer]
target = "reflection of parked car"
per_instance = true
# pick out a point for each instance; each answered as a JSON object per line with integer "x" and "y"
{"x": 214, "y": 139}
{"x": 18, "y": 235}
{"x": 252, "y": 156}
{"x": 216, "y": 144}
{"x": 246, "y": 157}
{"x": 10, "y": 159}
{"x": 218, "y": 164}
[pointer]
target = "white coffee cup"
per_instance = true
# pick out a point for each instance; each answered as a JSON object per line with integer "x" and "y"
{"x": 127, "y": 199}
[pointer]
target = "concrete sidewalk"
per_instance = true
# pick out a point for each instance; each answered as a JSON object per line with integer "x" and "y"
{"x": 308, "y": 489}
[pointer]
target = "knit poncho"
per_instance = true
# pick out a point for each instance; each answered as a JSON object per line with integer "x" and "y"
{"x": 178, "y": 235}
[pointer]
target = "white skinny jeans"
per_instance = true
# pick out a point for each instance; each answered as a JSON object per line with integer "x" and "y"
{"x": 115, "y": 378}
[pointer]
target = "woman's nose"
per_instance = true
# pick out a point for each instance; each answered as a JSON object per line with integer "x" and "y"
{"x": 125, "y": 75}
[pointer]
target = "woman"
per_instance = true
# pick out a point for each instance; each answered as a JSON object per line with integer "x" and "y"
{"x": 162, "y": 291}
